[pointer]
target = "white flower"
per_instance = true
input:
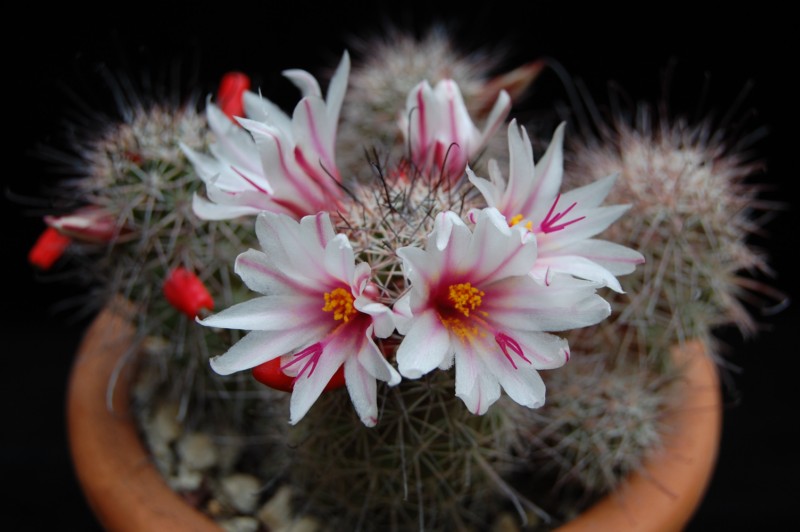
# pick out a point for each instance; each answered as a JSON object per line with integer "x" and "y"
{"x": 318, "y": 310}
{"x": 439, "y": 132}
{"x": 472, "y": 300}
{"x": 276, "y": 163}
{"x": 563, "y": 224}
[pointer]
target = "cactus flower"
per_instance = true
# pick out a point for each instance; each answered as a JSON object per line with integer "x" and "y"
{"x": 89, "y": 224}
{"x": 439, "y": 132}
{"x": 562, "y": 223}
{"x": 473, "y": 301}
{"x": 319, "y": 312}
{"x": 272, "y": 162}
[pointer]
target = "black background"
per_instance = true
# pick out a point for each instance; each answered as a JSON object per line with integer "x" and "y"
{"x": 187, "y": 48}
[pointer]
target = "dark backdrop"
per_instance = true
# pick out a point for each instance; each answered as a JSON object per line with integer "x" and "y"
{"x": 57, "y": 65}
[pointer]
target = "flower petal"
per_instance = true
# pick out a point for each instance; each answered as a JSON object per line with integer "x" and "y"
{"x": 361, "y": 371}
{"x": 531, "y": 194}
{"x": 490, "y": 190}
{"x": 401, "y": 313}
{"x": 258, "y": 347}
{"x": 295, "y": 249}
{"x": 475, "y": 384}
{"x": 315, "y": 136}
{"x": 382, "y": 316}
{"x": 363, "y": 391}
{"x": 207, "y": 210}
{"x": 339, "y": 261}
{"x": 522, "y": 303}
{"x": 591, "y": 195}
{"x": 259, "y": 274}
{"x": 617, "y": 259}
{"x": 261, "y": 109}
{"x": 374, "y": 361}
{"x": 596, "y": 220}
{"x": 271, "y": 313}
{"x": 425, "y": 346}
{"x": 575, "y": 265}
{"x": 545, "y": 351}
{"x": 524, "y": 384}
{"x": 309, "y": 386}
{"x": 304, "y": 81}
{"x": 337, "y": 88}
{"x": 498, "y": 251}
{"x": 499, "y": 112}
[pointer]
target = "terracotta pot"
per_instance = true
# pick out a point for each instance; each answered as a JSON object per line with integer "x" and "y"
{"x": 663, "y": 497}
{"x": 120, "y": 482}
{"x": 127, "y": 493}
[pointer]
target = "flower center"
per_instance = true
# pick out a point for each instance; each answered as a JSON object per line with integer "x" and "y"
{"x": 519, "y": 218}
{"x": 463, "y": 329}
{"x": 465, "y": 297}
{"x": 464, "y": 300}
{"x": 340, "y": 302}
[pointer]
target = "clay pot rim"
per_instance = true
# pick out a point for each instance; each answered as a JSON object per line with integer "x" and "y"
{"x": 127, "y": 493}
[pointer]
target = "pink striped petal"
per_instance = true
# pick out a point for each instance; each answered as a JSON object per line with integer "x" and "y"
{"x": 258, "y": 347}
{"x": 475, "y": 384}
{"x": 425, "y": 346}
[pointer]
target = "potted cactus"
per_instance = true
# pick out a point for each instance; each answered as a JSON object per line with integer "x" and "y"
{"x": 384, "y": 292}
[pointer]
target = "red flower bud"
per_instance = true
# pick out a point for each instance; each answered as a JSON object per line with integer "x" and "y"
{"x": 90, "y": 224}
{"x": 186, "y": 292}
{"x": 231, "y": 92}
{"x": 48, "y": 248}
{"x": 270, "y": 373}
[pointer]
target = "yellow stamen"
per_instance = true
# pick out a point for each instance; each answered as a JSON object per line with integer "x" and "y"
{"x": 519, "y": 218}
{"x": 460, "y": 327}
{"x": 340, "y": 302}
{"x": 465, "y": 297}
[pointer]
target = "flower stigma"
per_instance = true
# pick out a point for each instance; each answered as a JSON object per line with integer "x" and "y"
{"x": 340, "y": 302}
{"x": 312, "y": 353}
{"x": 550, "y": 223}
{"x": 507, "y": 344}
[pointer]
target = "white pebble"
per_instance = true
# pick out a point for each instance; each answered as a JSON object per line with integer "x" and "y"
{"x": 186, "y": 479}
{"x": 276, "y": 513}
{"x": 165, "y": 423}
{"x": 197, "y": 451}
{"x": 239, "y": 524}
{"x": 241, "y": 491}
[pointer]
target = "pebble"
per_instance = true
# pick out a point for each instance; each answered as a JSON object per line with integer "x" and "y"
{"x": 303, "y": 524}
{"x": 276, "y": 513}
{"x": 186, "y": 479}
{"x": 240, "y": 524}
{"x": 164, "y": 423}
{"x": 197, "y": 451}
{"x": 505, "y": 522}
{"x": 241, "y": 491}
{"x": 161, "y": 454}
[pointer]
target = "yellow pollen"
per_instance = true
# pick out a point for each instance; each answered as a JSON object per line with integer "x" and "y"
{"x": 460, "y": 328}
{"x": 340, "y": 302}
{"x": 465, "y": 297}
{"x": 519, "y": 218}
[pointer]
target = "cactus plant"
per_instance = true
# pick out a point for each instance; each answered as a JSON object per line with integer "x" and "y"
{"x": 411, "y": 233}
